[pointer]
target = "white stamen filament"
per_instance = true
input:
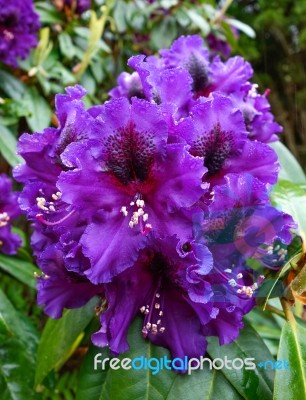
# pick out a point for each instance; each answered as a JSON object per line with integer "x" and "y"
{"x": 4, "y": 219}
{"x": 138, "y": 217}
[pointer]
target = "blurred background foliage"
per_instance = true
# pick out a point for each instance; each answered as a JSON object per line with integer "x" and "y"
{"x": 92, "y": 49}
{"x": 278, "y": 56}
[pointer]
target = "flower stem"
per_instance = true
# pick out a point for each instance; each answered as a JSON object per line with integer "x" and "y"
{"x": 96, "y": 29}
{"x": 287, "y": 310}
{"x": 275, "y": 311}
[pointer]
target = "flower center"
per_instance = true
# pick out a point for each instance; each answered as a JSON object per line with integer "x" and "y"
{"x": 130, "y": 154}
{"x": 138, "y": 217}
{"x": 215, "y": 147}
{"x": 10, "y": 20}
{"x": 198, "y": 73}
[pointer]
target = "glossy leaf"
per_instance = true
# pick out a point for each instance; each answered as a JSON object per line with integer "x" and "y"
{"x": 291, "y": 383}
{"x": 199, "y": 21}
{"x": 19, "y": 269}
{"x": 279, "y": 275}
{"x": 206, "y": 384}
{"x": 40, "y": 113}
{"x": 8, "y": 145}
{"x": 48, "y": 13}
{"x": 289, "y": 197}
{"x": 11, "y": 86}
{"x": 60, "y": 338}
{"x": 251, "y": 384}
{"x": 247, "y": 29}
{"x": 18, "y": 343}
{"x": 290, "y": 168}
{"x": 66, "y": 45}
{"x": 163, "y": 35}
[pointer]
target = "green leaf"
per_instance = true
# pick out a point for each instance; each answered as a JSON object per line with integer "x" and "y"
{"x": 48, "y": 13}
{"x": 202, "y": 384}
{"x": 11, "y": 111}
{"x": 96, "y": 29}
{"x": 277, "y": 277}
{"x": 249, "y": 31}
{"x": 120, "y": 385}
{"x": 163, "y": 33}
{"x": 291, "y": 383}
{"x": 119, "y": 15}
{"x": 40, "y": 116}
{"x": 8, "y": 144}
{"x": 289, "y": 197}
{"x": 251, "y": 384}
{"x": 290, "y": 168}
{"x": 19, "y": 269}
{"x": 43, "y": 48}
{"x": 199, "y": 21}
{"x": 264, "y": 323}
{"x": 11, "y": 86}
{"x": 66, "y": 45}
{"x": 182, "y": 17}
{"x": 60, "y": 338}
{"x": 18, "y": 343}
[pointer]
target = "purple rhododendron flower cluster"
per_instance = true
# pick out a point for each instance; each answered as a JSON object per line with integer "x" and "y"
{"x": 18, "y": 30}
{"x": 9, "y": 211}
{"x": 193, "y": 76}
{"x": 155, "y": 200}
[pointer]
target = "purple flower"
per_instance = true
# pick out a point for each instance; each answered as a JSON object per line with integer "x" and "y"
{"x": 18, "y": 30}
{"x": 240, "y": 222}
{"x": 229, "y": 76}
{"x": 188, "y": 52}
{"x": 132, "y": 182}
{"x": 218, "y": 45}
{"x": 59, "y": 288}
{"x": 216, "y": 131}
{"x": 129, "y": 85}
{"x": 41, "y": 199}
{"x": 156, "y": 199}
{"x": 186, "y": 72}
{"x": 9, "y": 211}
{"x": 179, "y": 294}
{"x": 156, "y": 83}
{"x": 273, "y": 256}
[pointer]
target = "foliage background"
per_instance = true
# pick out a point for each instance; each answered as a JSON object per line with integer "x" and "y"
{"x": 46, "y": 359}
